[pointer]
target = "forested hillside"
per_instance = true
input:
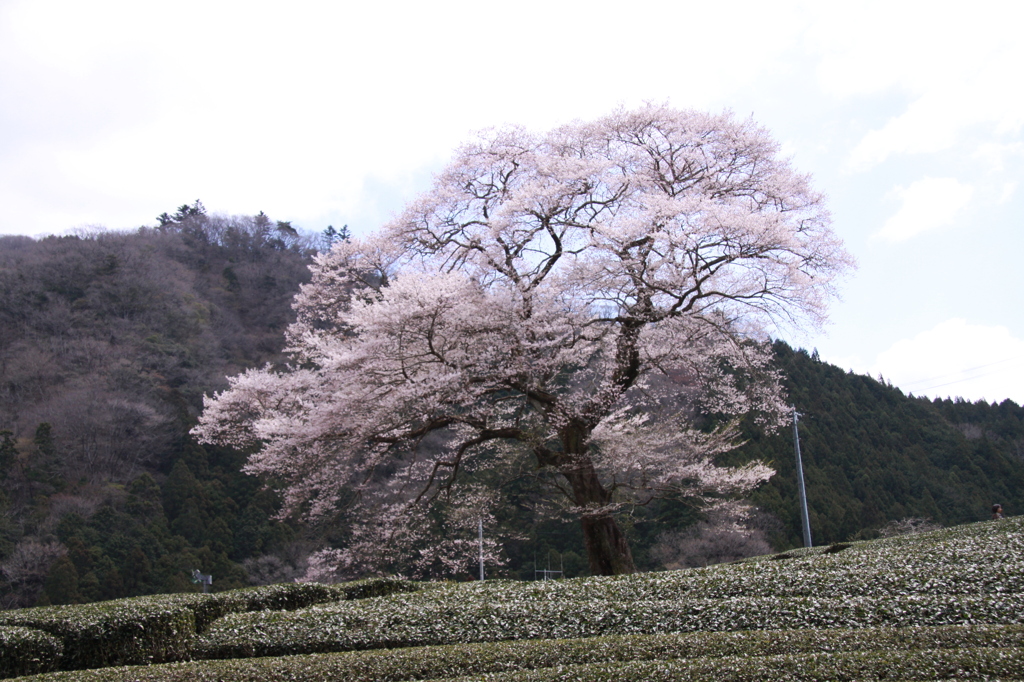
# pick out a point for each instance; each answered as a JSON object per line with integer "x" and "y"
{"x": 872, "y": 454}
{"x": 109, "y": 340}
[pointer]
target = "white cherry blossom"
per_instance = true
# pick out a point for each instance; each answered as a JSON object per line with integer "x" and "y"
{"x": 574, "y": 304}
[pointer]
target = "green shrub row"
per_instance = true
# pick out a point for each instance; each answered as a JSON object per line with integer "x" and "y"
{"x": 162, "y": 628}
{"x": 950, "y": 576}
{"x": 516, "y": 657}
{"x": 375, "y": 587}
{"x": 961, "y": 575}
{"x": 24, "y": 651}
{"x": 952, "y": 561}
{"x": 956, "y": 664}
{"x": 806, "y": 578}
{"x": 969, "y": 560}
{"x": 128, "y": 631}
{"x": 394, "y": 623}
{"x": 286, "y": 597}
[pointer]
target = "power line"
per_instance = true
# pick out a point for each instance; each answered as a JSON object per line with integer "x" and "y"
{"x": 962, "y": 371}
{"x": 958, "y": 381}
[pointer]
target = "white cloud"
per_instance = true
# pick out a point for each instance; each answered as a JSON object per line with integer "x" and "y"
{"x": 956, "y": 358}
{"x": 1006, "y": 193}
{"x": 937, "y": 119}
{"x": 952, "y": 61}
{"x": 927, "y": 204}
{"x": 129, "y": 108}
{"x": 927, "y": 125}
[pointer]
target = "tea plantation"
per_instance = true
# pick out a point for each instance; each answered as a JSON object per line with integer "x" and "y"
{"x": 942, "y": 605}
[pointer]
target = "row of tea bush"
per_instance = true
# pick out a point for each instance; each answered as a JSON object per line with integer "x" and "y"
{"x": 972, "y": 574}
{"x": 967, "y": 575}
{"x": 979, "y": 650}
{"x": 151, "y": 629}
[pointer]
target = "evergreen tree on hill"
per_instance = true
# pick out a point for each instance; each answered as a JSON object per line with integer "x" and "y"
{"x": 872, "y": 454}
{"x": 108, "y": 340}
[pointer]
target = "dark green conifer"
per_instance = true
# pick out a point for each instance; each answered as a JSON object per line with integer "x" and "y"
{"x": 61, "y": 583}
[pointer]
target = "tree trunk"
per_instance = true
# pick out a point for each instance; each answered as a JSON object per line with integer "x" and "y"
{"x": 607, "y": 547}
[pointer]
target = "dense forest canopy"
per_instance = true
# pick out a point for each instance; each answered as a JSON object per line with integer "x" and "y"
{"x": 109, "y": 340}
{"x": 873, "y": 454}
{"x": 112, "y": 338}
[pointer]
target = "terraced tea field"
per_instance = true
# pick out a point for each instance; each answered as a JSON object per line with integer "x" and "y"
{"x": 941, "y": 605}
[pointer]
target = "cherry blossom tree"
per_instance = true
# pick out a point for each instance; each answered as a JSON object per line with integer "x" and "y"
{"x": 589, "y": 305}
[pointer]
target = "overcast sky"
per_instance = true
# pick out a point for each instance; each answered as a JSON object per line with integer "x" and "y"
{"x": 908, "y": 116}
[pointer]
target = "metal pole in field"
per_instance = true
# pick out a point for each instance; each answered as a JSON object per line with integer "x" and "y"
{"x": 480, "y": 527}
{"x": 800, "y": 481}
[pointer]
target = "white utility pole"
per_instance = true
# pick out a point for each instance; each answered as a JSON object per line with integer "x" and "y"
{"x": 480, "y": 527}
{"x": 800, "y": 481}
